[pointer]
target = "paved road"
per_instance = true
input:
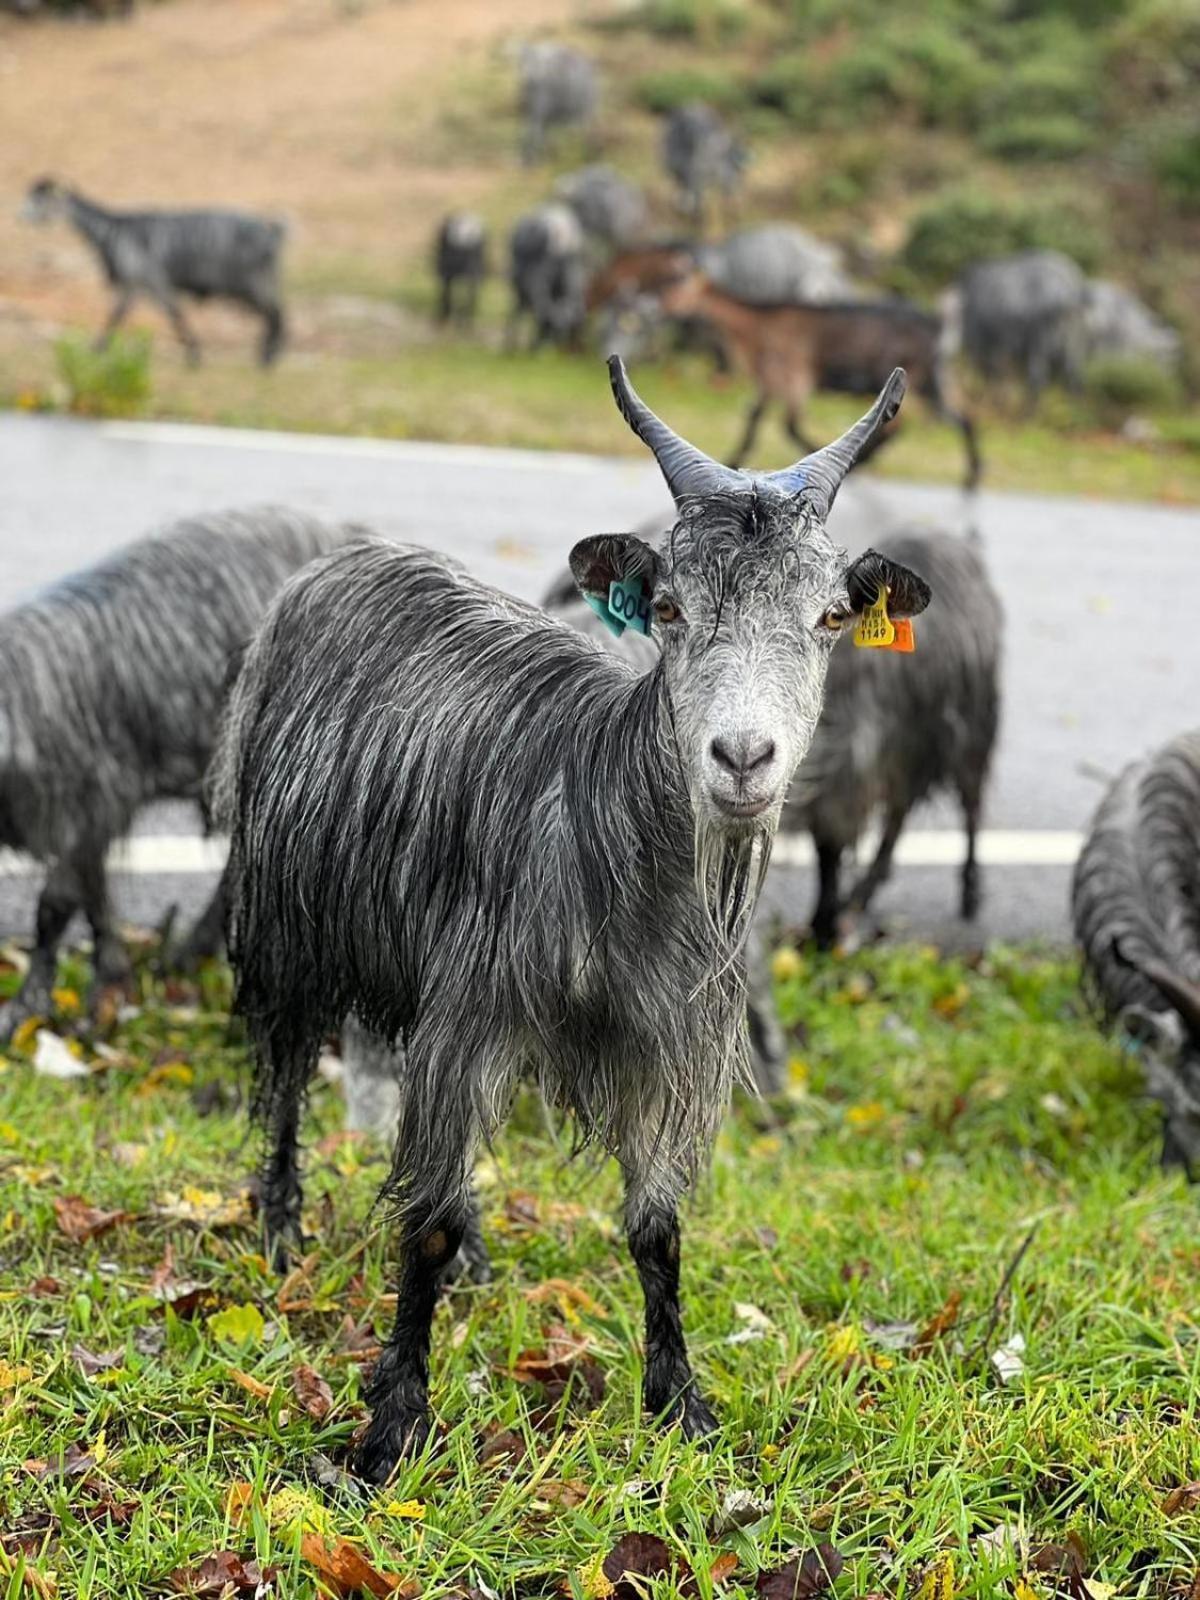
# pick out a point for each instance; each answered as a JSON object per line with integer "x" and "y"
{"x": 1102, "y": 658}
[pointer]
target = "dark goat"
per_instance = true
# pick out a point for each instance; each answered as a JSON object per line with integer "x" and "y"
{"x": 1025, "y": 314}
{"x": 224, "y": 255}
{"x": 898, "y": 729}
{"x": 559, "y": 89}
{"x": 111, "y": 684}
{"x": 1136, "y": 905}
{"x": 491, "y": 841}
{"x": 610, "y": 209}
{"x": 460, "y": 260}
{"x": 701, "y": 155}
{"x": 548, "y": 276}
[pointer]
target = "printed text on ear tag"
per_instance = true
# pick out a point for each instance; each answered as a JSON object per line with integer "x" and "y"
{"x": 627, "y": 604}
{"x": 875, "y": 629}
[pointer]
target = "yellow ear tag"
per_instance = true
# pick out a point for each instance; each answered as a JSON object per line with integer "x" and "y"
{"x": 875, "y": 629}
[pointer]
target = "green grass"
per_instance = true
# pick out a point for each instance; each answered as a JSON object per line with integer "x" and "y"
{"x": 938, "y": 1111}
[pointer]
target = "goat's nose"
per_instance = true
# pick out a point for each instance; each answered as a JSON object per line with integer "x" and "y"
{"x": 743, "y": 753}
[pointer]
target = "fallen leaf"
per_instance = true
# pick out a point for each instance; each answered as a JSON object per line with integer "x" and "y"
{"x": 237, "y": 1501}
{"x": 13, "y": 1373}
{"x": 640, "y": 1555}
{"x": 44, "y": 1287}
{"x": 938, "y": 1582}
{"x": 91, "y": 1362}
{"x": 343, "y": 1566}
{"x": 358, "y": 1341}
{"x": 240, "y": 1325}
{"x": 723, "y": 1568}
{"x": 1066, "y": 1563}
{"x": 44, "y": 1585}
{"x": 54, "y": 1058}
{"x": 564, "y": 1294}
{"x": 812, "y": 1573}
{"x": 1185, "y": 1497}
{"x": 81, "y": 1221}
{"x": 261, "y": 1391}
{"x": 406, "y": 1510}
{"x": 739, "y": 1509}
{"x": 948, "y": 1006}
{"x": 568, "y": 1492}
{"x": 521, "y": 1211}
{"x": 1008, "y": 1360}
{"x": 74, "y": 1462}
{"x": 501, "y": 1444}
{"x": 205, "y": 1207}
{"x": 313, "y": 1393}
{"x": 938, "y": 1324}
{"x": 223, "y": 1576}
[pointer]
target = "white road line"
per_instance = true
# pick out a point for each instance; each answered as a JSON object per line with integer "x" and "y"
{"x": 151, "y": 855}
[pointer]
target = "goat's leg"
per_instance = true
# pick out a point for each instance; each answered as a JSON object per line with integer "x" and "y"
{"x": 972, "y": 890}
{"x": 768, "y": 1047}
{"x": 110, "y": 959}
{"x": 791, "y": 421}
{"x": 206, "y": 940}
{"x": 58, "y": 902}
{"x": 120, "y": 310}
{"x": 825, "y": 913}
{"x": 286, "y": 1063}
{"x": 273, "y": 334}
{"x": 753, "y": 417}
{"x": 179, "y": 323}
{"x": 863, "y": 892}
{"x": 668, "y": 1386}
{"x": 472, "y": 1264}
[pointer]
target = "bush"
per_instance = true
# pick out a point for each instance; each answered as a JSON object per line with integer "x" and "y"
{"x": 1037, "y": 138}
{"x": 692, "y": 19}
{"x": 952, "y": 232}
{"x": 1155, "y": 52}
{"x": 1177, "y": 167}
{"x": 663, "y": 91}
{"x": 113, "y": 382}
{"x": 1118, "y": 385}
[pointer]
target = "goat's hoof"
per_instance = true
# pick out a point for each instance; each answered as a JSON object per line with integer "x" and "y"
{"x": 22, "y": 1008}
{"x": 468, "y": 1266}
{"x": 697, "y": 1419}
{"x": 403, "y": 1434}
{"x": 283, "y": 1243}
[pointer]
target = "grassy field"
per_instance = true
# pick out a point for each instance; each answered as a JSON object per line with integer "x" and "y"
{"x": 855, "y": 1289}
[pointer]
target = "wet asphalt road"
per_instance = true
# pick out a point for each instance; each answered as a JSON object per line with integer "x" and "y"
{"x": 1102, "y": 652}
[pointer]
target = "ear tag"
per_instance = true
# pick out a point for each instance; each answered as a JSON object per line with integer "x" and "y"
{"x": 905, "y": 641}
{"x": 875, "y": 630}
{"x": 600, "y": 607}
{"x": 628, "y": 605}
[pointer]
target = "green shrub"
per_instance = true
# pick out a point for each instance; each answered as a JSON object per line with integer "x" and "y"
{"x": 692, "y": 19}
{"x": 113, "y": 382}
{"x": 663, "y": 91}
{"x": 1037, "y": 138}
{"x": 1177, "y": 167}
{"x": 957, "y": 229}
{"x": 1118, "y": 385}
{"x": 1155, "y": 52}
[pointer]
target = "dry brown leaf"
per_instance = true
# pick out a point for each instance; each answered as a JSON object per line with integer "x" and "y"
{"x": 521, "y": 1211}
{"x": 501, "y": 1445}
{"x": 343, "y": 1567}
{"x": 81, "y": 1221}
{"x": 238, "y": 1501}
{"x": 564, "y": 1293}
{"x": 1185, "y": 1497}
{"x": 261, "y": 1391}
{"x": 313, "y": 1393}
{"x": 805, "y": 1576}
{"x": 937, "y": 1325}
{"x": 90, "y": 1362}
{"x": 45, "y": 1287}
{"x": 37, "y": 1583}
{"x": 723, "y": 1568}
{"x": 223, "y": 1576}
{"x": 641, "y": 1555}
{"x": 568, "y": 1492}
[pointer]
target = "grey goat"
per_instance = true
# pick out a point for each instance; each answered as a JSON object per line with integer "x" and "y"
{"x": 611, "y": 209}
{"x": 162, "y": 255}
{"x": 1136, "y": 904}
{"x": 1116, "y": 323}
{"x": 776, "y": 264}
{"x": 460, "y": 261}
{"x": 559, "y": 88}
{"x": 701, "y": 155}
{"x": 1025, "y": 314}
{"x": 548, "y": 274}
{"x": 502, "y": 847}
{"x": 111, "y": 684}
{"x": 899, "y": 729}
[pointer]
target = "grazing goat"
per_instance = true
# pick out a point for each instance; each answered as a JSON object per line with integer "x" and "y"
{"x": 1116, "y": 323}
{"x": 460, "y": 261}
{"x": 611, "y": 210}
{"x": 225, "y": 255}
{"x": 491, "y": 841}
{"x": 548, "y": 276}
{"x": 896, "y": 730}
{"x": 701, "y": 154}
{"x": 777, "y": 264}
{"x": 559, "y": 88}
{"x": 792, "y": 350}
{"x": 111, "y": 684}
{"x": 1136, "y": 905}
{"x": 1025, "y": 314}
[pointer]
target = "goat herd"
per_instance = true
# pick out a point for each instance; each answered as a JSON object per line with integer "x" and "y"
{"x": 488, "y": 841}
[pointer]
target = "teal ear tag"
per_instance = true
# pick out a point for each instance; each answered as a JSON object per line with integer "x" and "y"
{"x": 628, "y": 604}
{"x": 606, "y": 616}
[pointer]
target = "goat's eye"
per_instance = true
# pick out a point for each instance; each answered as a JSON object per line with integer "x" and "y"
{"x": 666, "y": 610}
{"x": 835, "y": 619}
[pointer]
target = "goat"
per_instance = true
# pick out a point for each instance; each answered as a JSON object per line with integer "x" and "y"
{"x": 701, "y": 154}
{"x": 776, "y": 264}
{"x": 610, "y": 209}
{"x": 226, "y": 255}
{"x": 458, "y": 819}
{"x": 1116, "y": 323}
{"x": 111, "y": 682}
{"x": 559, "y": 88}
{"x": 460, "y": 261}
{"x": 1135, "y": 900}
{"x": 548, "y": 276}
{"x": 792, "y": 350}
{"x": 1025, "y": 314}
{"x": 895, "y": 731}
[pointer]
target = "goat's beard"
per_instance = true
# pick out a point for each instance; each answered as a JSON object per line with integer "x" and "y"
{"x": 730, "y": 868}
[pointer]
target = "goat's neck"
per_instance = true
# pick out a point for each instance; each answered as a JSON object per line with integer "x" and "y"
{"x": 95, "y": 223}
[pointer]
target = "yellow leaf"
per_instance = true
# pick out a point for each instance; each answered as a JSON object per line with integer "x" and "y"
{"x": 411, "y": 1510}
{"x": 798, "y": 1071}
{"x": 868, "y": 1115}
{"x": 291, "y": 1508}
{"x": 1025, "y": 1591}
{"x": 592, "y": 1581}
{"x": 12, "y": 1375}
{"x": 767, "y": 1145}
{"x": 98, "y": 1449}
{"x": 939, "y": 1582}
{"x": 9, "y": 1134}
{"x": 66, "y": 1000}
{"x": 949, "y": 1005}
{"x": 240, "y": 1325}
{"x": 844, "y": 1343}
{"x": 786, "y": 963}
{"x": 27, "y": 1033}
{"x": 1098, "y": 1590}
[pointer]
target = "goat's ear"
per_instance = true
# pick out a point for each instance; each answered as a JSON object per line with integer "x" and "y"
{"x": 607, "y": 558}
{"x": 908, "y": 594}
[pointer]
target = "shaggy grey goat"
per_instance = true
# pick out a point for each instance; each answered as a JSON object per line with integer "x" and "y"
{"x": 502, "y": 847}
{"x": 548, "y": 274}
{"x": 460, "y": 261}
{"x": 898, "y": 729}
{"x": 111, "y": 684}
{"x": 610, "y": 209}
{"x": 1136, "y": 904}
{"x": 1116, "y": 323}
{"x": 1025, "y": 314}
{"x": 700, "y": 154}
{"x": 162, "y": 255}
{"x": 776, "y": 264}
{"x": 559, "y": 88}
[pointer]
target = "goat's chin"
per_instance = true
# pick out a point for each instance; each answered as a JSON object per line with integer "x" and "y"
{"x": 732, "y": 853}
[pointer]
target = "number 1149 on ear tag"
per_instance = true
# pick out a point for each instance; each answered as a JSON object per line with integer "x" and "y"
{"x": 877, "y": 631}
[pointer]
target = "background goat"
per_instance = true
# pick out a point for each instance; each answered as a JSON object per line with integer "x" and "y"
{"x": 492, "y": 841}
{"x": 548, "y": 275}
{"x": 111, "y": 683}
{"x": 1025, "y": 314}
{"x": 1136, "y": 905}
{"x": 460, "y": 261}
{"x": 559, "y": 88}
{"x": 224, "y": 255}
{"x": 611, "y": 210}
{"x": 700, "y": 155}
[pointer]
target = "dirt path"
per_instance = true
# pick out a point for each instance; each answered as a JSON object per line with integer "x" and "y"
{"x": 340, "y": 118}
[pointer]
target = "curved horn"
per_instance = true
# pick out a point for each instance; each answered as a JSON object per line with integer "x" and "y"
{"x": 688, "y": 471}
{"x": 1184, "y": 996}
{"x": 819, "y": 475}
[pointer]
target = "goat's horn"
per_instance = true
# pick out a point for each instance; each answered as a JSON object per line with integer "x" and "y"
{"x": 1182, "y": 994}
{"x": 819, "y": 475}
{"x": 688, "y": 471}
